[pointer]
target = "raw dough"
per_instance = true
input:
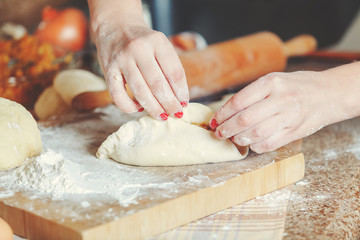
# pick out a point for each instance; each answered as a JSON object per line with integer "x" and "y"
{"x": 49, "y": 104}
{"x": 149, "y": 142}
{"x": 56, "y": 100}
{"x": 19, "y": 134}
{"x": 70, "y": 83}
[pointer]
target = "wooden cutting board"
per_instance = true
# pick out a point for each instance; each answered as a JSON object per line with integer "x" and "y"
{"x": 195, "y": 191}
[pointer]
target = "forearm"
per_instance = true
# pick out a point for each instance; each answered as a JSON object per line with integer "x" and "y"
{"x": 103, "y": 11}
{"x": 345, "y": 82}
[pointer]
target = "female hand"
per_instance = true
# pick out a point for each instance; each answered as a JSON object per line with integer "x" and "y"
{"x": 282, "y": 107}
{"x": 133, "y": 54}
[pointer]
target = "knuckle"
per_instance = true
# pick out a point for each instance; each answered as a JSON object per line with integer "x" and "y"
{"x": 235, "y": 101}
{"x": 258, "y": 132}
{"x": 136, "y": 44}
{"x": 177, "y": 74}
{"x": 245, "y": 119}
{"x": 156, "y": 82}
{"x": 274, "y": 79}
{"x": 159, "y": 36}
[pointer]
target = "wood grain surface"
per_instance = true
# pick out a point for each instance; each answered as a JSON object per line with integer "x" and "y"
{"x": 119, "y": 201}
{"x": 255, "y": 176}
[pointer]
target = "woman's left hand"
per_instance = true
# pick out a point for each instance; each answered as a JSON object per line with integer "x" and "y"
{"x": 278, "y": 109}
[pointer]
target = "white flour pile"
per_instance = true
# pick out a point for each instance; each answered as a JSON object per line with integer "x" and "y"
{"x": 48, "y": 173}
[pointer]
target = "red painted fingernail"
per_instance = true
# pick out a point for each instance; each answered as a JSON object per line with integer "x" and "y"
{"x": 213, "y": 123}
{"x": 137, "y": 104}
{"x": 141, "y": 109}
{"x": 219, "y": 134}
{"x": 164, "y": 116}
{"x": 179, "y": 114}
{"x": 184, "y": 104}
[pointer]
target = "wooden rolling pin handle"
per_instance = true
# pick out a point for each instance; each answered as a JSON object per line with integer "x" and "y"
{"x": 88, "y": 101}
{"x": 300, "y": 45}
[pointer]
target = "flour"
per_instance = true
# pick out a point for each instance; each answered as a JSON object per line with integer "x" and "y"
{"x": 48, "y": 173}
{"x": 75, "y": 184}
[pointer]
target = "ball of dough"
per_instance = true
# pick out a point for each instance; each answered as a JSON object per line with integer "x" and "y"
{"x": 5, "y": 231}
{"x": 149, "y": 142}
{"x": 19, "y": 133}
{"x": 50, "y": 104}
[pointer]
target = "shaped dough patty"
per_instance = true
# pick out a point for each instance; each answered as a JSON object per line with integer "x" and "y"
{"x": 149, "y": 142}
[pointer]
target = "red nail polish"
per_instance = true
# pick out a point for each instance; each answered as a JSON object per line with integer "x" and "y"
{"x": 179, "y": 114}
{"x": 219, "y": 134}
{"x": 184, "y": 104}
{"x": 164, "y": 116}
{"x": 141, "y": 109}
{"x": 213, "y": 123}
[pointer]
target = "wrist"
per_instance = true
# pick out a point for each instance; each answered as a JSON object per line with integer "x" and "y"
{"x": 345, "y": 81}
{"x": 108, "y": 15}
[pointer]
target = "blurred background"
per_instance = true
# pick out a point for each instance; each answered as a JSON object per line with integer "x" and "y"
{"x": 40, "y": 44}
{"x": 218, "y": 20}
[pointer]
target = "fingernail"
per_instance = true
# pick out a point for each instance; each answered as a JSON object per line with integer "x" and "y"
{"x": 213, "y": 123}
{"x": 184, "y": 103}
{"x": 141, "y": 109}
{"x": 179, "y": 114}
{"x": 245, "y": 141}
{"x": 164, "y": 116}
{"x": 219, "y": 134}
{"x": 137, "y": 104}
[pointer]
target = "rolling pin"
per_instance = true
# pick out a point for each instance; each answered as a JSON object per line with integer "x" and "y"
{"x": 225, "y": 64}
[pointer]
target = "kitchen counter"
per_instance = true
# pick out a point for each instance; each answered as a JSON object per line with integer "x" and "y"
{"x": 326, "y": 203}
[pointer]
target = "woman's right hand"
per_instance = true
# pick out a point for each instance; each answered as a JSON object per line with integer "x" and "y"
{"x": 131, "y": 53}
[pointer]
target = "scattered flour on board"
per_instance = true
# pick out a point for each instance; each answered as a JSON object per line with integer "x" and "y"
{"x": 68, "y": 167}
{"x": 68, "y": 176}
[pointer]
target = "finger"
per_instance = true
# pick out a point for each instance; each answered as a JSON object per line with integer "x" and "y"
{"x": 260, "y": 131}
{"x": 159, "y": 86}
{"x": 141, "y": 91}
{"x": 174, "y": 72}
{"x": 246, "y": 97}
{"x": 274, "y": 142}
{"x": 117, "y": 90}
{"x": 248, "y": 118}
